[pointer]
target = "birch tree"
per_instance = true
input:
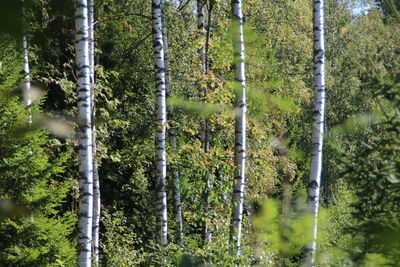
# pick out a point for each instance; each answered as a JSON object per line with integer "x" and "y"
{"x": 318, "y": 125}
{"x": 27, "y": 82}
{"x": 85, "y": 138}
{"x": 26, "y": 70}
{"x": 96, "y": 181}
{"x": 204, "y": 67}
{"x": 202, "y": 30}
{"x": 240, "y": 127}
{"x": 161, "y": 119}
{"x": 172, "y": 135}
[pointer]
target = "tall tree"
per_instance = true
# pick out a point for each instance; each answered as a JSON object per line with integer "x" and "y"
{"x": 318, "y": 126}
{"x": 85, "y": 138}
{"x": 161, "y": 118}
{"x": 26, "y": 69}
{"x": 204, "y": 68}
{"x": 172, "y": 135}
{"x": 202, "y": 30}
{"x": 240, "y": 127}
{"x": 96, "y": 180}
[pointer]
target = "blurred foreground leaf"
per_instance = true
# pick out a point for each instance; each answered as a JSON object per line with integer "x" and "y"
{"x": 10, "y": 209}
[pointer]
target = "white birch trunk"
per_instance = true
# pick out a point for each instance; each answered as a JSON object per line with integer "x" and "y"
{"x": 172, "y": 137}
{"x": 202, "y": 30}
{"x": 26, "y": 70}
{"x": 204, "y": 37}
{"x": 161, "y": 118}
{"x": 96, "y": 182}
{"x": 27, "y": 80}
{"x": 240, "y": 128}
{"x": 85, "y": 139}
{"x": 318, "y": 126}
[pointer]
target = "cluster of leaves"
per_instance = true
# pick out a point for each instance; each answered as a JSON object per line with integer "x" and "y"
{"x": 372, "y": 171}
{"x": 36, "y": 228}
{"x": 38, "y": 172}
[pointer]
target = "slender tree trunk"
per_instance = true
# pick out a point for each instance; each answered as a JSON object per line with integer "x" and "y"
{"x": 206, "y": 55}
{"x": 27, "y": 82}
{"x": 161, "y": 118}
{"x": 202, "y": 31}
{"x": 318, "y": 126}
{"x": 204, "y": 67}
{"x": 96, "y": 181}
{"x": 172, "y": 136}
{"x": 26, "y": 70}
{"x": 85, "y": 138}
{"x": 240, "y": 128}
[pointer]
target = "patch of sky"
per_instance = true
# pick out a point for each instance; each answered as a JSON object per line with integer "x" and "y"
{"x": 361, "y": 7}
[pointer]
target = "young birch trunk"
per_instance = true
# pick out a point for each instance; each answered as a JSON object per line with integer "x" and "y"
{"x": 202, "y": 30}
{"x": 26, "y": 70}
{"x": 85, "y": 138}
{"x": 318, "y": 126}
{"x": 96, "y": 182}
{"x": 27, "y": 78}
{"x": 205, "y": 134}
{"x": 161, "y": 118}
{"x": 172, "y": 137}
{"x": 240, "y": 127}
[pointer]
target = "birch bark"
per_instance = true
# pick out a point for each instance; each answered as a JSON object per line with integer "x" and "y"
{"x": 161, "y": 118}
{"x": 85, "y": 139}
{"x": 27, "y": 79}
{"x": 202, "y": 30}
{"x": 96, "y": 181}
{"x": 240, "y": 127}
{"x": 172, "y": 135}
{"x": 318, "y": 126}
{"x": 26, "y": 69}
{"x": 204, "y": 67}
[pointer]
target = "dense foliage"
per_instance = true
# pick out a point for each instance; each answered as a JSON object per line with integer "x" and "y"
{"x": 359, "y": 224}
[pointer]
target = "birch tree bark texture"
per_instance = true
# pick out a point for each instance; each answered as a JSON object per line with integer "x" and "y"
{"x": 318, "y": 126}
{"x": 27, "y": 78}
{"x": 240, "y": 127}
{"x": 203, "y": 54}
{"x": 85, "y": 138}
{"x": 202, "y": 31}
{"x": 96, "y": 181}
{"x": 172, "y": 135}
{"x": 161, "y": 119}
{"x": 26, "y": 70}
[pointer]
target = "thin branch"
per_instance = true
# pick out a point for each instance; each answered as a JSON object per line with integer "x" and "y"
{"x": 141, "y": 41}
{"x": 393, "y": 9}
{"x": 181, "y": 7}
